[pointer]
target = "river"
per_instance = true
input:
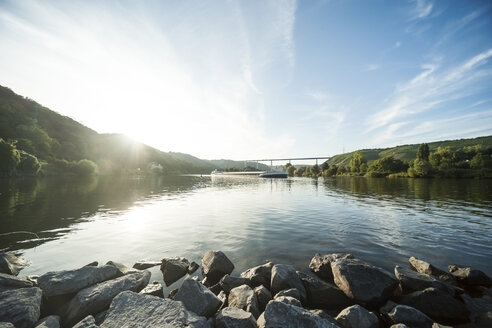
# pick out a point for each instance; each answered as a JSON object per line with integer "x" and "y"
{"x": 383, "y": 221}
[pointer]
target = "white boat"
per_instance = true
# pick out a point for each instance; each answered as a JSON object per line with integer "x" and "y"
{"x": 276, "y": 175}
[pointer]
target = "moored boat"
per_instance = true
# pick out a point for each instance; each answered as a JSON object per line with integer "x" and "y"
{"x": 274, "y": 175}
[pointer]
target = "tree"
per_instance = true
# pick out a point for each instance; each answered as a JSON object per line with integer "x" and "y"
{"x": 290, "y": 171}
{"x": 385, "y": 166}
{"x": 423, "y": 152}
{"x": 314, "y": 170}
{"x": 9, "y": 158}
{"x": 324, "y": 166}
{"x": 85, "y": 167}
{"x": 357, "y": 160}
{"x": 420, "y": 169}
{"x": 477, "y": 161}
{"x": 28, "y": 164}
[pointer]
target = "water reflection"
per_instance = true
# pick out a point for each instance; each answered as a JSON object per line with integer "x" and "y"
{"x": 126, "y": 219}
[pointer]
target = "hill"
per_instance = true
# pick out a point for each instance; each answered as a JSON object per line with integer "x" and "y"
{"x": 61, "y": 141}
{"x": 407, "y": 153}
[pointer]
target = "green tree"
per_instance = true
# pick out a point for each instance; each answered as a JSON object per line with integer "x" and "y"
{"x": 385, "y": 166}
{"x": 28, "y": 164}
{"x": 357, "y": 160}
{"x": 423, "y": 152}
{"x": 9, "y": 158}
{"x": 85, "y": 167}
{"x": 420, "y": 169}
{"x": 477, "y": 162}
{"x": 290, "y": 171}
{"x": 314, "y": 170}
{"x": 325, "y": 166}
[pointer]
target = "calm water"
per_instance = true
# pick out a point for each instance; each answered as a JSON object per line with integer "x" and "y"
{"x": 383, "y": 221}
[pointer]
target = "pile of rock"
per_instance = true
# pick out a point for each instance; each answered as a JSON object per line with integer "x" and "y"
{"x": 341, "y": 291}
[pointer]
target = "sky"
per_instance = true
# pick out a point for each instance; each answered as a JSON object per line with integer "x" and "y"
{"x": 257, "y": 79}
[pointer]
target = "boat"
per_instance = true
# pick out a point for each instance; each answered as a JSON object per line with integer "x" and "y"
{"x": 216, "y": 172}
{"x": 274, "y": 175}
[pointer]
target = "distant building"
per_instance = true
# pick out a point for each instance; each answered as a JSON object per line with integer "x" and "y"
{"x": 156, "y": 166}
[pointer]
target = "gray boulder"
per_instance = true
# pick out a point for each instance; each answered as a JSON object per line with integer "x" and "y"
{"x": 470, "y": 276}
{"x": 173, "y": 269}
{"x": 227, "y": 282}
{"x": 356, "y": 316}
{"x": 6, "y": 325}
{"x": 52, "y": 321}
{"x": 244, "y": 297}
{"x": 387, "y": 307}
{"x": 71, "y": 281}
{"x": 130, "y": 309}
{"x": 410, "y": 316}
{"x": 21, "y": 307}
{"x": 292, "y": 292}
{"x": 285, "y": 277}
{"x": 263, "y": 296}
{"x": 215, "y": 265}
{"x": 193, "y": 267}
{"x": 439, "y": 306}
{"x": 8, "y": 281}
{"x": 362, "y": 282}
{"x": 197, "y": 298}
{"x": 484, "y": 320}
{"x": 320, "y": 265}
{"x": 399, "y": 325}
{"x": 154, "y": 289}
{"x": 95, "y": 299}
{"x": 93, "y": 263}
{"x": 412, "y": 281}
{"x": 426, "y": 268}
{"x": 99, "y": 318}
{"x": 477, "y": 305}
{"x": 288, "y": 300}
{"x": 11, "y": 264}
{"x": 123, "y": 270}
{"x": 87, "y": 322}
{"x": 233, "y": 317}
{"x": 259, "y": 275}
{"x": 145, "y": 264}
{"x": 222, "y": 296}
{"x": 278, "y": 314}
{"x": 325, "y": 315}
{"x": 323, "y": 295}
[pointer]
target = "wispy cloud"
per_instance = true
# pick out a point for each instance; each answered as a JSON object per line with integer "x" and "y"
{"x": 422, "y": 9}
{"x": 317, "y": 95}
{"x": 372, "y": 67}
{"x": 427, "y": 90}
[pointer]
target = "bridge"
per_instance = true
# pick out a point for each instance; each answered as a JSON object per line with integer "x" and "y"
{"x": 288, "y": 160}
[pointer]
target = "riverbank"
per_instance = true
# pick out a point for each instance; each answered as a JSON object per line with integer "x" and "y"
{"x": 339, "y": 291}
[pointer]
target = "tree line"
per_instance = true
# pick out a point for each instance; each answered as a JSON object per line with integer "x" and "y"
{"x": 467, "y": 162}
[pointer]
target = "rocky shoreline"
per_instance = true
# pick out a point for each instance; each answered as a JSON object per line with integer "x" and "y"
{"x": 339, "y": 291}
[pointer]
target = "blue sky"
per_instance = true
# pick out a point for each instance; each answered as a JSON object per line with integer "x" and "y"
{"x": 249, "y": 79}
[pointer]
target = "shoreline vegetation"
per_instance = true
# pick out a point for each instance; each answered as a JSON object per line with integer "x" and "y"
{"x": 338, "y": 291}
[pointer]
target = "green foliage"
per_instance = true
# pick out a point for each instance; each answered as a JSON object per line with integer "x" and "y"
{"x": 290, "y": 170}
{"x": 85, "y": 167}
{"x": 385, "y": 166}
{"x": 9, "y": 158}
{"x": 420, "y": 169}
{"x": 314, "y": 170}
{"x": 423, "y": 152}
{"x": 477, "y": 162}
{"x": 357, "y": 160}
{"x": 29, "y": 164}
{"x": 325, "y": 166}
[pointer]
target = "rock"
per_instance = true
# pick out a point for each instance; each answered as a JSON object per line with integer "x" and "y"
{"x": 223, "y": 298}
{"x": 437, "y": 325}
{"x": 21, "y": 307}
{"x": 387, "y": 307}
{"x": 362, "y": 282}
{"x": 11, "y": 264}
{"x": 8, "y": 281}
{"x": 470, "y": 277}
{"x": 244, "y": 297}
{"x": 263, "y": 296}
{"x": 427, "y": 268}
{"x": 216, "y": 289}
{"x": 33, "y": 279}
{"x": 197, "y": 298}
{"x": 87, "y": 322}
{"x": 71, "y": 281}
{"x": 172, "y": 293}
{"x": 227, "y": 282}
{"x": 6, "y": 325}
{"x": 193, "y": 267}
{"x": 215, "y": 265}
{"x": 321, "y": 264}
{"x": 144, "y": 264}
{"x": 52, "y": 321}
{"x": 484, "y": 320}
{"x": 173, "y": 269}
{"x": 356, "y": 316}
{"x": 323, "y": 295}
{"x": 292, "y": 292}
{"x": 325, "y": 315}
{"x": 94, "y": 299}
{"x": 285, "y": 277}
{"x": 123, "y": 270}
{"x": 99, "y": 318}
{"x": 278, "y": 314}
{"x": 288, "y": 300}
{"x": 477, "y": 305}
{"x": 439, "y": 306}
{"x": 259, "y": 275}
{"x": 399, "y": 325}
{"x": 154, "y": 289}
{"x": 413, "y": 281}
{"x": 233, "y": 317}
{"x": 94, "y": 263}
{"x": 410, "y": 317}
{"x": 130, "y": 309}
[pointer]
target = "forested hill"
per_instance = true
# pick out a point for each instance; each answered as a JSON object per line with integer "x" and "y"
{"x": 407, "y": 153}
{"x": 61, "y": 142}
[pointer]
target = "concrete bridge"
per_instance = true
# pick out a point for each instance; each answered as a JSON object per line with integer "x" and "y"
{"x": 288, "y": 160}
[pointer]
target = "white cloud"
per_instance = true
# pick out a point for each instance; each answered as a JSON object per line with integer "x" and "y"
{"x": 422, "y": 9}
{"x": 373, "y": 67}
